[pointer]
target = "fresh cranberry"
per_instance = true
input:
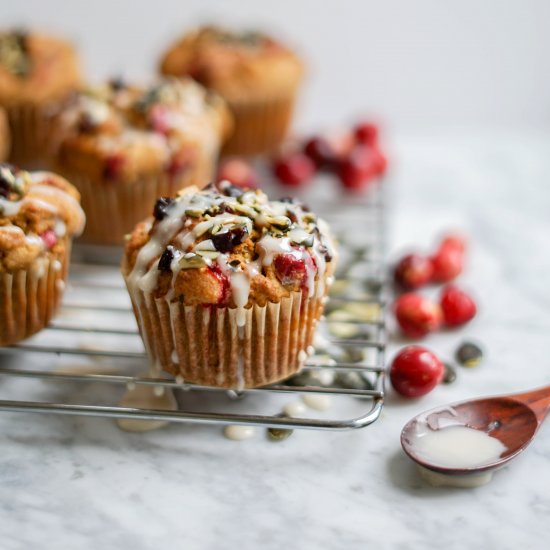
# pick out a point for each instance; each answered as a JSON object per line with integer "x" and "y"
{"x": 227, "y": 241}
{"x": 113, "y": 166}
{"x": 321, "y": 152}
{"x": 223, "y": 280}
{"x": 448, "y": 261}
{"x": 416, "y": 371}
{"x": 159, "y": 119}
{"x": 357, "y": 169}
{"x": 413, "y": 271}
{"x": 49, "y": 239}
{"x": 416, "y": 315}
{"x": 291, "y": 268}
{"x": 458, "y": 307}
{"x": 380, "y": 161}
{"x": 453, "y": 241}
{"x": 239, "y": 173}
{"x": 294, "y": 169}
{"x": 367, "y": 133}
{"x": 179, "y": 163}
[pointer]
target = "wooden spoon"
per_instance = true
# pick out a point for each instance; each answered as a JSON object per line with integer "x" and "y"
{"x": 512, "y": 419}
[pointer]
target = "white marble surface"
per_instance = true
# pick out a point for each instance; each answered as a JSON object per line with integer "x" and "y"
{"x": 82, "y": 483}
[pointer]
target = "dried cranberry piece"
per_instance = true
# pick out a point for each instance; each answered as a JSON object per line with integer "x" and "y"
{"x": 225, "y": 242}
{"x": 225, "y": 292}
{"x": 292, "y": 268}
{"x": 161, "y": 207}
{"x": 49, "y": 239}
{"x": 113, "y": 166}
{"x": 166, "y": 259}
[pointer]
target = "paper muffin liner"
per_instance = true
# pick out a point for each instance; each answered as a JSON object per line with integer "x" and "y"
{"x": 114, "y": 208}
{"x": 29, "y": 298}
{"x": 205, "y": 345}
{"x": 259, "y": 126}
{"x": 33, "y": 134}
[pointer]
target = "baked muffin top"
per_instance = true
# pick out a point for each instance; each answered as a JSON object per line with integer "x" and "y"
{"x": 238, "y": 65}
{"x": 225, "y": 246}
{"x": 35, "y": 68}
{"x": 118, "y": 132}
{"x": 37, "y": 211}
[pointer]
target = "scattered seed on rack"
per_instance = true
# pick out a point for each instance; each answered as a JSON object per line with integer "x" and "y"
{"x": 352, "y": 381}
{"x": 469, "y": 354}
{"x": 279, "y": 434}
{"x": 450, "y": 374}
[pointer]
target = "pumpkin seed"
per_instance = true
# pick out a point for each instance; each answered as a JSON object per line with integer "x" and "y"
{"x": 450, "y": 374}
{"x": 469, "y": 354}
{"x": 353, "y": 381}
{"x": 279, "y": 434}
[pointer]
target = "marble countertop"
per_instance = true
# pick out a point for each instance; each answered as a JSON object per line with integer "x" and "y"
{"x": 70, "y": 482}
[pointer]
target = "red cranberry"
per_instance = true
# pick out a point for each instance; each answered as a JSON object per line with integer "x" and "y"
{"x": 239, "y": 173}
{"x": 321, "y": 152}
{"x": 413, "y": 271}
{"x": 357, "y": 169}
{"x": 225, "y": 286}
{"x": 454, "y": 241}
{"x": 159, "y": 119}
{"x": 458, "y": 307}
{"x": 380, "y": 161}
{"x": 416, "y": 371}
{"x": 294, "y": 169}
{"x": 448, "y": 261}
{"x": 416, "y": 315}
{"x": 113, "y": 166}
{"x": 291, "y": 268}
{"x": 178, "y": 163}
{"x": 49, "y": 238}
{"x": 367, "y": 133}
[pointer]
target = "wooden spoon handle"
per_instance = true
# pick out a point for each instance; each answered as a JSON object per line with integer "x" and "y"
{"x": 537, "y": 400}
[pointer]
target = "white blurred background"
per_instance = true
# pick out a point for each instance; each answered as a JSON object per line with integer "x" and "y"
{"x": 419, "y": 66}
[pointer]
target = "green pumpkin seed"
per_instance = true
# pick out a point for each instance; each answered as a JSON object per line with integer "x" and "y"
{"x": 450, "y": 374}
{"x": 279, "y": 434}
{"x": 469, "y": 354}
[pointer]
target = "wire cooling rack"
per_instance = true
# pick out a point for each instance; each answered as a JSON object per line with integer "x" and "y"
{"x": 96, "y": 329}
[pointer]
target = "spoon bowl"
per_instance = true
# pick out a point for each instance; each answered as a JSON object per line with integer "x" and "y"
{"x": 511, "y": 419}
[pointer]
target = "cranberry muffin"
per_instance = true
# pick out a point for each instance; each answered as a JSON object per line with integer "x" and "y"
{"x": 39, "y": 215}
{"x": 257, "y": 76}
{"x": 5, "y": 140}
{"x": 38, "y": 73}
{"x": 228, "y": 286}
{"x": 123, "y": 146}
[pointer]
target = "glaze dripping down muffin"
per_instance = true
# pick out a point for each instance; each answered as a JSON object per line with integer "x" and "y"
{"x": 39, "y": 215}
{"x": 227, "y": 285}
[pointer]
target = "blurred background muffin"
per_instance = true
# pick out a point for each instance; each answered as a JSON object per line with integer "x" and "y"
{"x": 124, "y": 146}
{"x": 39, "y": 215}
{"x": 257, "y": 76}
{"x": 38, "y": 73}
{"x": 5, "y": 139}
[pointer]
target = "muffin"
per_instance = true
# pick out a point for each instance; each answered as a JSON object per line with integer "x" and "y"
{"x": 227, "y": 286}
{"x": 124, "y": 146}
{"x": 39, "y": 215}
{"x": 256, "y": 75}
{"x": 37, "y": 74}
{"x": 5, "y": 139}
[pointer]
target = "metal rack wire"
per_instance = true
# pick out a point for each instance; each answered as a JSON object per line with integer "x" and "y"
{"x": 96, "y": 306}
